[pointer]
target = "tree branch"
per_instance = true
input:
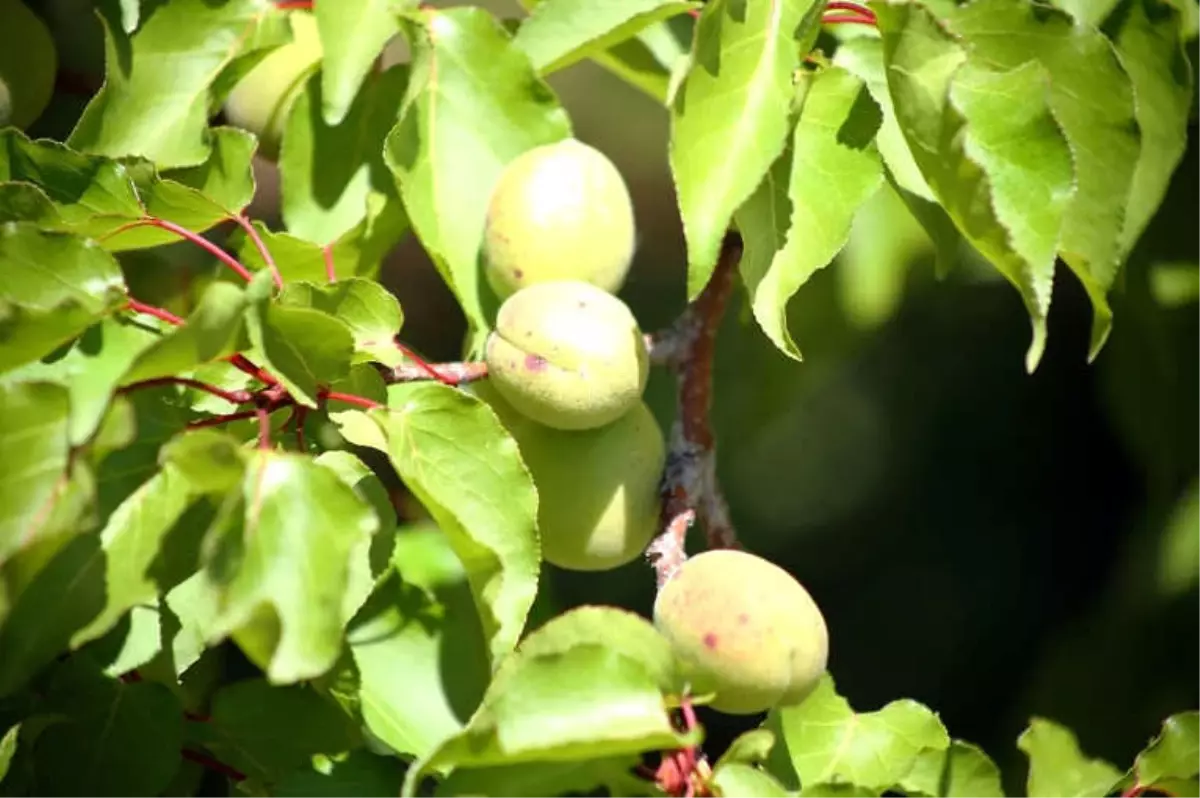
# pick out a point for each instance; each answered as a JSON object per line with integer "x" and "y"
{"x": 445, "y": 373}
{"x": 689, "y": 487}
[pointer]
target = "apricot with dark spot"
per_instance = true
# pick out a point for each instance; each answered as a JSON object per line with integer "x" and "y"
{"x": 744, "y": 629}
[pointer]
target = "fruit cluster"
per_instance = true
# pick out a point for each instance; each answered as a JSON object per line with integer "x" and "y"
{"x": 567, "y": 367}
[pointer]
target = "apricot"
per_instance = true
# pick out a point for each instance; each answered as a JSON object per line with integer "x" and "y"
{"x": 561, "y": 211}
{"x": 568, "y": 355}
{"x": 598, "y": 489}
{"x": 260, "y": 101}
{"x": 744, "y": 629}
{"x": 28, "y": 63}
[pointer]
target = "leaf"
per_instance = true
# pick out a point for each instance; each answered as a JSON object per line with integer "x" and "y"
{"x": 117, "y": 739}
{"x": 729, "y": 121}
{"x": 353, "y": 33}
{"x": 357, "y": 773}
{"x": 558, "y": 33}
{"x": 1003, "y": 176}
{"x": 169, "y": 66}
{"x": 35, "y": 436}
{"x": 1058, "y": 767}
{"x": 827, "y": 741}
{"x": 1173, "y": 754}
{"x": 464, "y": 69}
{"x": 578, "y": 777}
{"x": 567, "y": 694}
{"x": 749, "y": 748}
{"x": 834, "y": 169}
{"x": 269, "y": 732}
{"x": 1091, "y": 97}
{"x": 646, "y": 61}
{"x": 960, "y": 770}
{"x": 1147, "y": 38}
{"x": 66, "y": 594}
{"x": 225, "y": 178}
{"x": 54, "y": 287}
{"x": 8, "y": 747}
{"x": 303, "y": 348}
{"x": 372, "y": 314}
{"x": 326, "y": 171}
{"x": 214, "y": 329}
{"x": 419, "y": 627}
{"x": 1087, "y": 12}
{"x": 289, "y": 553}
{"x": 457, "y": 459}
{"x": 737, "y": 779}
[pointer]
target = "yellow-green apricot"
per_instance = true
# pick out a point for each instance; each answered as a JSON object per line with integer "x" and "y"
{"x": 261, "y": 100}
{"x": 598, "y": 489}
{"x": 568, "y": 355}
{"x": 28, "y": 63}
{"x": 561, "y": 211}
{"x": 744, "y": 629}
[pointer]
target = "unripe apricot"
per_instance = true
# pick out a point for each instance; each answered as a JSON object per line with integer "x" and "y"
{"x": 567, "y": 354}
{"x": 598, "y": 489}
{"x": 744, "y": 629}
{"x": 559, "y": 212}
{"x": 261, "y": 100}
{"x": 28, "y": 63}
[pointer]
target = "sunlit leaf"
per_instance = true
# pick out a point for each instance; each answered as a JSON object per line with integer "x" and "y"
{"x": 1058, "y": 767}
{"x": 1173, "y": 754}
{"x": 960, "y": 770}
{"x": 353, "y": 32}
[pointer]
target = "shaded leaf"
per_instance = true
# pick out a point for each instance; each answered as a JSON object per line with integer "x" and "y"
{"x": 168, "y": 65}
{"x": 834, "y": 169}
{"x": 366, "y": 307}
{"x": 458, "y": 460}
{"x": 960, "y": 770}
{"x": 738, "y": 779}
{"x": 826, "y": 741}
{"x": 1174, "y": 753}
{"x": 214, "y": 329}
{"x": 357, "y": 773}
{"x": 464, "y": 69}
{"x": 557, "y": 33}
{"x": 353, "y": 33}
{"x": 729, "y": 121}
{"x": 574, "y": 777}
{"x": 8, "y": 747}
{"x": 1058, "y": 767}
{"x": 35, "y": 437}
{"x": 646, "y": 61}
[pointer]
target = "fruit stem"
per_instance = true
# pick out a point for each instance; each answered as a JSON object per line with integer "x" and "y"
{"x": 261, "y": 246}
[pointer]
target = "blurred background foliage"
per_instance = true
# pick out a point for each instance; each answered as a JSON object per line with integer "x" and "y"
{"x": 991, "y": 543}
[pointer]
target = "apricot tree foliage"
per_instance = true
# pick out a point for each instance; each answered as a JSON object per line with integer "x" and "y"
{"x": 189, "y": 398}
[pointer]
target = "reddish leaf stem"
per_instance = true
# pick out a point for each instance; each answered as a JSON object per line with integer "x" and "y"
{"x": 264, "y": 427}
{"x": 836, "y": 19}
{"x": 212, "y": 764}
{"x": 446, "y": 373}
{"x": 351, "y": 399}
{"x": 233, "y": 397}
{"x": 330, "y": 271}
{"x": 285, "y": 5}
{"x": 243, "y": 364}
{"x": 261, "y": 246}
{"x": 690, "y": 489}
{"x": 216, "y": 421}
{"x": 843, "y": 5}
{"x": 151, "y": 310}
{"x": 198, "y": 240}
{"x": 422, "y": 364}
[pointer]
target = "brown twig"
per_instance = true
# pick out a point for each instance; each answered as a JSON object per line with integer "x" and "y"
{"x": 689, "y": 487}
{"x": 445, "y": 373}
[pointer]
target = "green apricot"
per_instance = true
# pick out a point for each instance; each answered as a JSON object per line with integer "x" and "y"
{"x": 28, "y": 63}
{"x": 744, "y": 629}
{"x": 561, "y": 211}
{"x": 261, "y": 100}
{"x": 568, "y": 355}
{"x": 598, "y": 489}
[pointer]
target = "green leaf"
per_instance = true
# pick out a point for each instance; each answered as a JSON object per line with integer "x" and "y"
{"x": 567, "y": 694}
{"x": 269, "y": 732}
{"x": 156, "y": 94}
{"x": 739, "y": 779}
{"x": 834, "y": 169}
{"x": 1087, "y": 12}
{"x": 749, "y": 748}
{"x": 206, "y": 460}
{"x": 1148, "y": 42}
{"x": 827, "y": 741}
{"x": 960, "y": 770}
{"x": 8, "y": 747}
{"x": 372, "y": 314}
{"x": 1058, "y": 767}
{"x": 303, "y": 348}
{"x": 288, "y": 553}
{"x": 214, "y": 329}
{"x": 578, "y": 777}
{"x": 458, "y": 460}
{"x": 225, "y": 178}
{"x": 54, "y": 286}
{"x": 1174, "y": 753}
{"x": 464, "y": 69}
{"x": 559, "y": 33}
{"x": 646, "y": 61}
{"x": 420, "y": 626}
{"x": 353, "y": 33}
{"x": 356, "y": 773}
{"x": 117, "y": 739}
{"x": 326, "y": 171}
{"x": 35, "y": 436}
{"x": 66, "y": 594}
{"x": 730, "y": 118}
{"x": 991, "y": 149}
{"x": 1092, "y": 98}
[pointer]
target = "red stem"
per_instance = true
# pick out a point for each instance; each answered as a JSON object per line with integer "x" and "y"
{"x": 243, "y": 364}
{"x": 261, "y": 247}
{"x": 285, "y": 5}
{"x": 330, "y": 271}
{"x": 264, "y": 427}
{"x": 151, "y": 310}
{"x": 233, "y": 397}
{"x": 188, "y": 235}
{"x": 842, "y": 5}
{"x": 854, "y": 20}
{"x": 212, "y": 764}
{"x": 351, "y": 399}
{"x": 422, "y": 364}
{"x": 217, "y": 421}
